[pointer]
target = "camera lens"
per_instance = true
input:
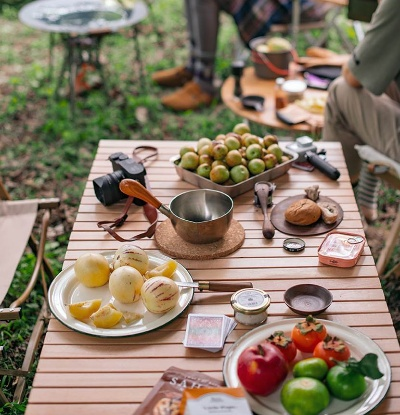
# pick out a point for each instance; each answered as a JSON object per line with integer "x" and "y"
{"x": 106, "y": 188}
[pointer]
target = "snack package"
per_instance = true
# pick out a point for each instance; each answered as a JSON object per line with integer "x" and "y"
{"x": 209, "y": 401}
{"x": 165, "y": 397}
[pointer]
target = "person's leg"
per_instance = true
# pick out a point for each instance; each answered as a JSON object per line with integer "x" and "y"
{"x": 203, "y": 25}
{"x": 355, "y": 116}
{"x": 202, "y": 18}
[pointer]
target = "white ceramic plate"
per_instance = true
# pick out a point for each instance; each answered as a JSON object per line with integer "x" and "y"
{"x": 66, "y": 289}
{"x": 359, "y": 345}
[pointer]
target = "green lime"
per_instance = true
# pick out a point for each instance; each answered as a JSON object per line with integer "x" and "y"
{"x": 313, "y": 367}
{"x": 304, "y": 396}
{"x": 345, "y": 384}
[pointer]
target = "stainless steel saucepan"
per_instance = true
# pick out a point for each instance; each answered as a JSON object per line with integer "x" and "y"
{"x": 198, "y": 216}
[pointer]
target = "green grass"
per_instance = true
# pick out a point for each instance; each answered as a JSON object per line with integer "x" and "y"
{"x": 44, "y": 152}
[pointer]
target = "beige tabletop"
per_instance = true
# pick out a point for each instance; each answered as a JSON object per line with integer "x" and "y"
{"x": 86, "y": 375}
{"x": 253, "y": 85}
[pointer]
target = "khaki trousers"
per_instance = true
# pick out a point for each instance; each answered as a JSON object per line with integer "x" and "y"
{"x": 356, "y": 116}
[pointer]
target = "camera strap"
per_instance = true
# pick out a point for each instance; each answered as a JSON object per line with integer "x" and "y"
{"x": 150, "y": 211}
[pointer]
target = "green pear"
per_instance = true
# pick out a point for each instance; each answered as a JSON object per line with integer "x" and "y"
{"x": 239, "y": 173}
{"x": 254, "y": 151}
{"x": 219, "y": 174}
{"x": 189, "y": 161}
{"x": 233, "y": 158}
{"x": 256, "y": 166}
{"x": 204, "y": 170}
{"x": 232, "y": 142}
{"x": 220, "y": 151}
{"x": 241, "y": 128}
{"x": 270, "y": 139}
{"x": 203, "y": 142}
{"x": 270, "y": 161}
{"x": 186, "y": 149}
{"x": 277, "y": 151}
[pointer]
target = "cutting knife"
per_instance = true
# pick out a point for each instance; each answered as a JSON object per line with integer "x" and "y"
{"x": 215, "y": 286}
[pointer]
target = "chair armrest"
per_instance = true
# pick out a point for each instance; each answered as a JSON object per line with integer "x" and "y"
{"x": 9, "y": 313}
{"x": 50, "y": 203}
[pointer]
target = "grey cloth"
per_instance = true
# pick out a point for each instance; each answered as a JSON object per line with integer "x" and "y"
{"x": 370, "y": 114}
{"x": 356, "y": 116}
{"x": 375, "y": 62}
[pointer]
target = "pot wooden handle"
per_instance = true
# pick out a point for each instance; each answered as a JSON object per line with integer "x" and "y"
{"x": 224, "y": 286}
{"x": 133, "y": 188}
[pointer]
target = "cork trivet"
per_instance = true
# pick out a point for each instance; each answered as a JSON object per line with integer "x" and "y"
{"x": 169, "y": 242}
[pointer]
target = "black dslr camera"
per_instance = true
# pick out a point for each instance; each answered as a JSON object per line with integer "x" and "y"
{"x": 106, "y": 187}
{"x": 307, "y": 152}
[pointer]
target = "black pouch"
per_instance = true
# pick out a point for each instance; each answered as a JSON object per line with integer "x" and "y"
{"x": 320, "y": 76}
{"x": 325, "y": 71}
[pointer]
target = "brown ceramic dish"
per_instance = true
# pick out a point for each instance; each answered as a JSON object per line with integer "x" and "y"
{"x": 305, "y": 299}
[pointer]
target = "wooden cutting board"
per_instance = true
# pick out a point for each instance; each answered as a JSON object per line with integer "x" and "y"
{"x": 278, "y": 218}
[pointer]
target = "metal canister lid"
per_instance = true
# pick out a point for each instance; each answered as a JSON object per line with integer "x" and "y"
{"x": 250, "y": 301}
{"x": 294, "y": 244}
{"x": 294, "y": 86}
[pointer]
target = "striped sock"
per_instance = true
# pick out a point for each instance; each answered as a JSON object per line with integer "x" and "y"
{"x": 367, "y": 189}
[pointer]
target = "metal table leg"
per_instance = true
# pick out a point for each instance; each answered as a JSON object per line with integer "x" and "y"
{"x": 138, "y": 57}
{"x": 51, "y": 57}
{"x": 78, "y": 50}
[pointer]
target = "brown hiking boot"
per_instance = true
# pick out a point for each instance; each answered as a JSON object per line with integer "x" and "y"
{"x": 190, "y": 97}
{"x": 172, "y": 77}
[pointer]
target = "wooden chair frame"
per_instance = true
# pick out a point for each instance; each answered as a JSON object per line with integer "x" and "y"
{"x": 383, "y": 173}
{"x": 42, "y": 268}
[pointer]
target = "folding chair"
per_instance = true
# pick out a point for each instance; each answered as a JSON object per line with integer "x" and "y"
{"x": 17, "y": 219}
{"x": 324, "y": 25}
{"x": 387, "y": 170}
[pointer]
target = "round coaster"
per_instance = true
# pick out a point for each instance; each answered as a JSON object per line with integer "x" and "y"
{"x": 169, "y": 242}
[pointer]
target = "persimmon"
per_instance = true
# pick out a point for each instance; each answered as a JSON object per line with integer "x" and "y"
{"x": 331, "y": 349}
{"x": 284, "y": 344}
{"x": 308, "y": 333}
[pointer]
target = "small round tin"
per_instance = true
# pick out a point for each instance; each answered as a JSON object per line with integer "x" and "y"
{"x": 341, "y": 249}
{"x": 294, "y": 244}
{"x": 250, "y": 306}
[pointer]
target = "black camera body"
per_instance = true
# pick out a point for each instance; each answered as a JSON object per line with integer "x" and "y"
{"x": 301, "y": 146}
{"x": 106, "y": 187}
{"x": 307, "y": 152}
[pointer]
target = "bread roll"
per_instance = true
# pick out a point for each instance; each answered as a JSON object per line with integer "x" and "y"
{"x": 329, "y": 212}
{"x": 303, "y": 212}
{"x": 318, "y": 52}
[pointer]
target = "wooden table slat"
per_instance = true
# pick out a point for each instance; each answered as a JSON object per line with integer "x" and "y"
{"x": 80, "y": 374}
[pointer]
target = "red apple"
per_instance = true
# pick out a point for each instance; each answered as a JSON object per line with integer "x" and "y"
{"x": 262, "y": 368}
